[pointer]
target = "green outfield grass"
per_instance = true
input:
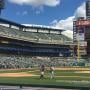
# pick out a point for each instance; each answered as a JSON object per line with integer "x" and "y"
{"x": 62, "y": 78}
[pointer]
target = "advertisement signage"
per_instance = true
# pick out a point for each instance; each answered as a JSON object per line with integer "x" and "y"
{"x": 80, "y": 36}
{"x": 83, "y": 43}
{"x": 83, "y": 23}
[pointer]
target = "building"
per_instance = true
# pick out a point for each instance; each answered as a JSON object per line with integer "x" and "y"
{"x": 88, "y": 9}
{"x": 81, "y": 33}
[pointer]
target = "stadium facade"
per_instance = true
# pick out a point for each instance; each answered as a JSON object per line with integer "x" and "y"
{"x": 26, "y": 46}
{"x": 34, "y": 41}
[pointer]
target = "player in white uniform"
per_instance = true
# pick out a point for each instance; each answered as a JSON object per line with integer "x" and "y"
{"x": 52, "y": 71}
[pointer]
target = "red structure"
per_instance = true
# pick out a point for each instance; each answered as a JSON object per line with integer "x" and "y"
{"x": 81, "y": 32}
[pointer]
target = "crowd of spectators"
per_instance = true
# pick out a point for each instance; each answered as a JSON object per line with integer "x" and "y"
{"x": 19, "y": 61}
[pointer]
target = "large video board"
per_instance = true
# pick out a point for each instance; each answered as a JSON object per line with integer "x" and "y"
{"x": 83, "y": 22}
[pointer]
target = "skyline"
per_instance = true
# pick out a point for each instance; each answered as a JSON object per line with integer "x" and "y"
{"x": 57, "y": 13}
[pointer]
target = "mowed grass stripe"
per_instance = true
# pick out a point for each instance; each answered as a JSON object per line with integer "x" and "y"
{"x": 60, "y": 75}
{"x": 37, "y": 81}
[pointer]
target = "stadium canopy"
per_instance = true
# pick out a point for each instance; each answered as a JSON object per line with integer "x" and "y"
{"x": 11, "y": 23}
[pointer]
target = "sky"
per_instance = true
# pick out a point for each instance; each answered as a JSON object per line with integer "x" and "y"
{"x": 57, "y": 13}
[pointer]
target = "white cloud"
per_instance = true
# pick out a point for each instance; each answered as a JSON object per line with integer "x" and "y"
{"x": 37, "y": 3}
{"x": 80, "y": 12}
{"x": 22, "y": 13}
{"x": 67, "y": 24}
{"x": 68, "y": 33}
{"x": 18, "y": 13}
{"x": 38, "y": 12}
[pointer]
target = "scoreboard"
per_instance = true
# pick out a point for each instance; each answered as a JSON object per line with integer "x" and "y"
{"x": 83, "y": 22}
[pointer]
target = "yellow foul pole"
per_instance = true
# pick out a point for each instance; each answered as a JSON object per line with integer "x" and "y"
{"x": 78, "y": 47}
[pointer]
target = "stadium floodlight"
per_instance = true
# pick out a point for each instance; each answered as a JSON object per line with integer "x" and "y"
{"x": 2, "y": 4}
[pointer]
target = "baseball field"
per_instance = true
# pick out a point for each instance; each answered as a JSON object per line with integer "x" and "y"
{"x": 73, "y": 77}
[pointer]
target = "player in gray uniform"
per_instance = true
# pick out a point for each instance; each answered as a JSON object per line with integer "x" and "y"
{"x": 42, "y": 69}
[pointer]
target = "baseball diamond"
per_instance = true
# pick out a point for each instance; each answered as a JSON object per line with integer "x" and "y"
{"x": 39, "y": 57}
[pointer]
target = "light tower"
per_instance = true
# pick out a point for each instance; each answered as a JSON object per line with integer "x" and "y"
{"x": 88, "y": 9}
{"x": 2, "y": 4}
